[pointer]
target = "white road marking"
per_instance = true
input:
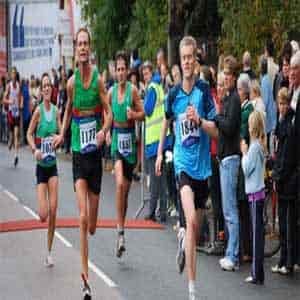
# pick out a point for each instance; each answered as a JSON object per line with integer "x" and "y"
{"x": 12, "y": 196}
{"x": 92, "y": 266}
{"x": 102, "y": 275}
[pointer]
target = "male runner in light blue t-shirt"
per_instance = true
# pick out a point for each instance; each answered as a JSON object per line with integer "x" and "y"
{"x": 190, "y": 105}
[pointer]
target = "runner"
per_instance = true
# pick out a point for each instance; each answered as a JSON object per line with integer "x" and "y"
{"x": 86, "y": 99}
{"x": 126, "y": 109}
{"x": 46, "y": 123}
{"x": 13, "y": 98}
{"x": 185, "y": 104}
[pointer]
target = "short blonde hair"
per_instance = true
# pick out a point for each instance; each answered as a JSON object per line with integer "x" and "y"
{"x": 283, "y": 95}
{"x": 188, "y": 41}
{"x": 255, "y": 88}
{"x": 257, "y": 129}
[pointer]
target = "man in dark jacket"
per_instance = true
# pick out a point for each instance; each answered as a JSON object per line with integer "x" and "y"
{"x": 294, "y": 79}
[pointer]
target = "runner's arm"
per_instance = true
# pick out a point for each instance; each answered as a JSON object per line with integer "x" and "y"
{"x": 69, "y": 105}
{"x": 165, "y": 126}
{"x": 106, "y": 107}
{"x": 68, "y": 114}
{"x": 31, "y": 129}
{"x": 209, "y": 127}
{"x": 138, "y": 113}
{"x": 6, "y": 99}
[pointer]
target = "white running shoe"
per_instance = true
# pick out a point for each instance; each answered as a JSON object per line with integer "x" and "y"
{"x": 86, "y": 290}
{"x": 180, "y": 256}
{"x": 227, "y": 265}
{"x": 49, "y": 261}
{"x": 192, "y": 296}
{"x": 120, "y": 245}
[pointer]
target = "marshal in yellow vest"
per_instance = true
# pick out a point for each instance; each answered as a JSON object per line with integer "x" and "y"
{"x": 154, "y": 122}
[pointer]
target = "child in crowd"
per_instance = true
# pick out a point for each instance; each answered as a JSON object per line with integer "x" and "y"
{"x": 285, "y": 176}
{"x": 253, "y": 164}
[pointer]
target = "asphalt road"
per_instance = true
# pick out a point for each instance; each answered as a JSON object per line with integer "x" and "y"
{"x": 147, "y": 271}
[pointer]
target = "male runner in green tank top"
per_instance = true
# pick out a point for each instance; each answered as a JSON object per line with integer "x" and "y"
{"x": 91, "y": 116}
{"x": 126, "y": 108}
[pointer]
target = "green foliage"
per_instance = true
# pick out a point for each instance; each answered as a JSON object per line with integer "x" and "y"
{"x": 118, "y": 24}
{"x": 248, "y": 24}
{"x": 148, "y": 29}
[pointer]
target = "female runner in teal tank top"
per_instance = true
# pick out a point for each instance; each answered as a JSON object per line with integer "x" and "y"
{"x": 44, "y": 125}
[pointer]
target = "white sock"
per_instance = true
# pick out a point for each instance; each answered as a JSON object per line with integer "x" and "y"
{"x": 192, "y": 286}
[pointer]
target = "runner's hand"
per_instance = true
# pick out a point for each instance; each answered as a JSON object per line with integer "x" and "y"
{"x": 38, "y": 154}
{"x": 108, "y": 138}
{"x": 158, "y": 165}
{"x": 100, "y": 137}
{"x": 58, "y": 140}
{"x": 192, "y": 114}
{"x": 130, "y": 114}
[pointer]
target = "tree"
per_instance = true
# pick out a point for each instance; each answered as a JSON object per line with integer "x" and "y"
{"x": 248, "y": 24}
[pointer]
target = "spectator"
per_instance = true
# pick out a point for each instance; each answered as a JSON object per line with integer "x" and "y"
{"x": 26, "y": 108}
{"x": 247, "y": 65}
{"x": 176, "y": 74}
{"x": 285, "y": 176}
{"x": 295, "y": 105}
{"x": 217, "y": 244}
{"x": 3, "y": 112}
{"x": 243, "y": 87}
{"x": 255, "y": 96}
{"x": 267, "y": 96}
{"x": 272, "y": 66}
{"x": 228, "y": 123}
{"x": 253, "y": 163}
{"x": 282, "y": 77}
{"x": 154, "y": 111}
{"x": 166, "y": 80}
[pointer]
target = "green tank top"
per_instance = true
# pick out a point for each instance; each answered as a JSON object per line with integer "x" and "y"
{"x": 123, "y": 139}
{"x": 44, "y": 135}
{"x": 84, "y": 129}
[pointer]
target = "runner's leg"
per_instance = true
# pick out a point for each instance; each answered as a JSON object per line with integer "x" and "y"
{"x": 81, "y": 194}
{"x": 93, "y": 211}
{"x": 42, "y": 201}
{"x": 52, "y": 192}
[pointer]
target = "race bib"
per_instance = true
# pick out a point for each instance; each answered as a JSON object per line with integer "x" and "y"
{"x": 189, "y": 131}
{"x": 48, "y": 152}
{"x": 88, "y": 132}
{"x": 125, "y": 143}
{"x": 15, "y": 111}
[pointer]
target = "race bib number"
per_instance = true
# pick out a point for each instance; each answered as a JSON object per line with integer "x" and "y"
{"x": 88, "y": 132}
{"x": 48, "y": 152}
{"x": 125, "y": 143}
{"x": 15, "y": 111}
{"x": 189, "y": 131}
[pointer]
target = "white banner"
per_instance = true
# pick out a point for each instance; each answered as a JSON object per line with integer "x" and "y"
{"x": 33, "y": 31}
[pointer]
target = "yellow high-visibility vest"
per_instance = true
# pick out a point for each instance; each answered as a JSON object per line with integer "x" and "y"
{"x": 154, "y": 122}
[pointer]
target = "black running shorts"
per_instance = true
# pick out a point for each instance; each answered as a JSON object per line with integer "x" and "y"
{"x": 89, "y": 167}
{"x": 44, "y": 174}
{"x": 199, "y": 187}
{"x": 127, "y": 167}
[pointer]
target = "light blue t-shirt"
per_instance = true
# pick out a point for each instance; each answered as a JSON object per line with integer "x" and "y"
{"x": 192, "y": 144}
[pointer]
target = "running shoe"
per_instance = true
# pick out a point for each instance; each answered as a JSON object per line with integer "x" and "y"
{"x": 227, "y": 265}
{"x": 180, "y": 257}
{"x": 120, "y": 245}
{"x": 86, "y": 290}
{"x": 49, "y": 261}
{"x": 192, "y": 296}
{"x": 16, "y": 161}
